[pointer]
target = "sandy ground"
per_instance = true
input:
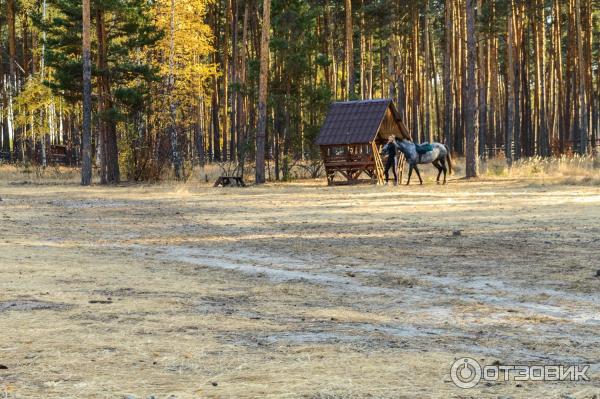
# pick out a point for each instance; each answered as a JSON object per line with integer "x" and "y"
{"x": 295, "y": 290}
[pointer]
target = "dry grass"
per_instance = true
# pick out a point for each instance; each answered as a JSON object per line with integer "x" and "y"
{"x": 567, "y": 169}
{"x": 39, "y": 175}
{"x": 574, "y": 169}
{"x": 292, "y": 290}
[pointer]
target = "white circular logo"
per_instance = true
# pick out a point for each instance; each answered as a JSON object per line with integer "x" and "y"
{"x": 465, "y": 373}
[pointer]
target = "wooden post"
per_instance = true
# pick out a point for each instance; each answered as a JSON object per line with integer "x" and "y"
{"x": 378, "y": 163}
{"x": 400, "y": 166}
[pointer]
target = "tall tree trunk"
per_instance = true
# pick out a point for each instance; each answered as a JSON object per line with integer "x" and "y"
{"x": 495, "y": 128}
{"x": 482, "y": 87}
{"x": 12, "y": 78}
{"x": 349, "y": 52}
{"x": 416, "y": 75}
{"x": 216, "y": 136}
{"x": 3, "y": 116}
{"x": 25, "y": 46}
{"x": 521, "y": 84}
{"x": 538, "y": 23}
{"x": 233, "y": 134}
{"x": 363, "y": 47}
{"x": 558, "y": 110}
{"x": 570, "y": 107}
{"x": 464, "y": 94}
{"x": 262, "y": 93}
{"x": 524, "y": 137}
{"x": 86, "y": 149}
{"x": 199, "y": 136}
{"x": 436, "y": 96}
{"x": 587, "y": 23}
{"x": 42, "y": 77}
{"x": 12, "y": 43}
{"x": 448, "y": 86}
{"x": 510, "y": 85}
{"x": 596, "y": 115}
{"x": 582, "y": 101}
{"x": 224, "y": 51}
{"x": 101, "y": 102}
{"x": 109, "y": 162}
{"x": 370, "y": 68}
{"x": 241, "y": 108}
{"x": 427, "y": 136}
{"x": 459, "y": 79}
{"x": 471, "y": 122}
{"x": 175, "y": 155}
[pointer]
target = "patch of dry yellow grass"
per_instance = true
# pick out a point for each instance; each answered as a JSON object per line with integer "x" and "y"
{"x": 409, "y": 298}
{"x": 566, "y": 169}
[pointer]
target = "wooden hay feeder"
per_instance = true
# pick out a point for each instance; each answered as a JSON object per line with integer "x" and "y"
{"x": 352, "y": 137}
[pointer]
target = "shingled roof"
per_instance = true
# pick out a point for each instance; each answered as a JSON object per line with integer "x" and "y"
{"x": 354, "y": 122}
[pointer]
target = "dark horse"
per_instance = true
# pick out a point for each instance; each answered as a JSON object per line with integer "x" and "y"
{"x": 437, "y": 154}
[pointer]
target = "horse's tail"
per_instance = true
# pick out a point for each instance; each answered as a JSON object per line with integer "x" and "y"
{"x": 449, "y": 159}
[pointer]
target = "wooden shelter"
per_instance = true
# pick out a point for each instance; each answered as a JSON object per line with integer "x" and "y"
{"x": 352, "y": 137}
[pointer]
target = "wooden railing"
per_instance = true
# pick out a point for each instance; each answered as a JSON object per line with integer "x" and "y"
{"x": 347, "y": 157}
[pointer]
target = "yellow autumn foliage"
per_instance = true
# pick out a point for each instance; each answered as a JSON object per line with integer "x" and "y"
{"x": 192, "y": 38}
{"x": 33, "y": 100}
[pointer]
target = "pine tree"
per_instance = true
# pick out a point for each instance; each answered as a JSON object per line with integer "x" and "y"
{"x": 122, "y": 76}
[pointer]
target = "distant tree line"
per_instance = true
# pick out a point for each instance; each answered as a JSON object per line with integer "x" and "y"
{"x": 176, "y": 83}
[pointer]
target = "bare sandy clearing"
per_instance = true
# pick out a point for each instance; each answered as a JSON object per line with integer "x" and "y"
{"x": 295, "y": 290}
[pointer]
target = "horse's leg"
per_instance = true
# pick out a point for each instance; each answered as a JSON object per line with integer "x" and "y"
{"x": 410, "y": 169}
{"x": 443, "y": 164}
{"x": 439, "y": 168}
{"x": 418, "y": 174}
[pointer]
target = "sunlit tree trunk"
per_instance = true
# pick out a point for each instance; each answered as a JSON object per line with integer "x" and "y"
{"x": 224, "y": 51}
{"x": 12, "y": 78}
{"x": 86, "y": 148}
{"x": 200, "y": 133}
{"x": 233, "y": 133}
{"x": 262, "y": 93}
{"x": 427, "y": 135}
{"x": 436, "y": 96}
{"x": 415, "y": 92}
{"x": 458, "y": 72}
{"x": 559, "y": 126}
{"x": 582, "y": 100}
{"x": 448, "y": 84}
{"x": 241, "y": 108}
{"x": 332, "y": 67}
{"x": 173, "y": 134}
{"x": 109, "y": 162}
{"x": 349, "y": 51}
{"x": 4, "y": 98}
{"x": 482, "y": 83}
{"x": 495, "y": 130}
{"x": 216, "y": 132}
{"x": 471, "y": 122}
{"x": 370, "y": 68}
{"x": 520, "y": 135}
{"x": 363, "y": 46}
{"x": 587, "y": 24}
{"x": 510, "y": 85}
{"x": 539, "y": 32}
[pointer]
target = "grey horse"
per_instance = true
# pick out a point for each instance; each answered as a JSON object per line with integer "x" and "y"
{"x": 438, "y": 154}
